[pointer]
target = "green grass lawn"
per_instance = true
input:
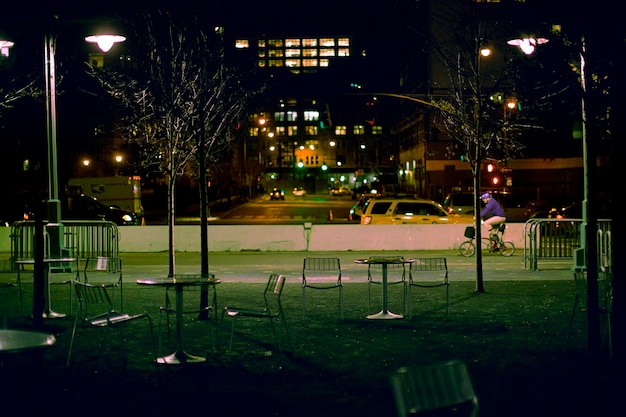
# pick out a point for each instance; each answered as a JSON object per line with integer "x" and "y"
{"x": 514, "y": 339}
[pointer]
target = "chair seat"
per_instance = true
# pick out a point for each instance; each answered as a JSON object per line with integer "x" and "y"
{"x": 112, "y": 318}
{"x": 273, "y": 310}
{"x": 247, "y": 313}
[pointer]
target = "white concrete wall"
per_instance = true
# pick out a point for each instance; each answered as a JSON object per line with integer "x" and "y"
{"x": 326, "y": 237}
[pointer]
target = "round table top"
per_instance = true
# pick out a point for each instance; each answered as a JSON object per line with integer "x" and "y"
{"x": 385, "y": 260}
{"x": 179, "y": 280}
{"x": 12, "y": 341}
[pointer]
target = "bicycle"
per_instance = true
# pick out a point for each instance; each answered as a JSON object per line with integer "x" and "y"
{"x": 495, "y": 242}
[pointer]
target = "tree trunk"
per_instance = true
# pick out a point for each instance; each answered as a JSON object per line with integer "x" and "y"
{"x": 171, "y": 216}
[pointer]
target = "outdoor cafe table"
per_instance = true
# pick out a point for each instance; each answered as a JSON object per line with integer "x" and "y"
{"x": 49, "y": 264}
{"x": 384, "y": 314}
{"x": 179, "y": 283}
{"x": 15, "y": 341}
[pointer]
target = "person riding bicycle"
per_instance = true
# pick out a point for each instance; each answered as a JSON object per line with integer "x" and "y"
{"x": 492, "y": 214}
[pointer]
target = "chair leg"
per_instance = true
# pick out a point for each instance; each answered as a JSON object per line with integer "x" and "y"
{"x": 303, "y": 301}
{"x": 341, "y": 302}
{"x": 69, "y": 350}
{"x": 571, "y": 320}
{"x": 232, "y": 333}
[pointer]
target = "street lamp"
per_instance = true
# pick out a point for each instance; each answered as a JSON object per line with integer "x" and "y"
{"x": 54, "y": 226}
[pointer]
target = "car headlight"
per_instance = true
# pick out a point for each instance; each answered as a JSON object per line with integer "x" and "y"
{"x": 127, "y": 218}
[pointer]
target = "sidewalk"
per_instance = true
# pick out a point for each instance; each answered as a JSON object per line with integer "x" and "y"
{"x": 256, "y": 266}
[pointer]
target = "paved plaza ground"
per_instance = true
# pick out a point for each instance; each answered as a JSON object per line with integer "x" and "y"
{"x": 514, "y": 338}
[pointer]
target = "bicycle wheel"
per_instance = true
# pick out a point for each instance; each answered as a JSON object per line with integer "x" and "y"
{"x": 467, "y": 248}
{"x": 507, "y": 248}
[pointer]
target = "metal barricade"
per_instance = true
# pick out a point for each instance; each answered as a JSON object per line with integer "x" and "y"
{"x": 552, "y": 239}
{"x": 83, "y": 239}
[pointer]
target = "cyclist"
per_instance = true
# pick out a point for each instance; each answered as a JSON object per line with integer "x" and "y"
{"x": 492, "y": 214}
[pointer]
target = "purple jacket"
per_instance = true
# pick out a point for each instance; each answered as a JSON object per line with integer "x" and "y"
{"x": 492, "y": 208}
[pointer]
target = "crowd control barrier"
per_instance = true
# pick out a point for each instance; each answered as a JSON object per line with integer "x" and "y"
{"x": 82, "y": 239}
{"x": 552, "y": 239}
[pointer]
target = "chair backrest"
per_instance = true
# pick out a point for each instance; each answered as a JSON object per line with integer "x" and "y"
{"x": 434, "y": 387}
{"x": 93, "y": 300}
{"x": 103, "y": 269}
{"x": 321, "y": 271}
{"x": 605, "y": 289}
{"x": 273, "y": 292}
{"x": 433, "y": 269}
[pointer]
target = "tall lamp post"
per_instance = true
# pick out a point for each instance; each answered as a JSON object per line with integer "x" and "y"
{"x": 54, "y": 226}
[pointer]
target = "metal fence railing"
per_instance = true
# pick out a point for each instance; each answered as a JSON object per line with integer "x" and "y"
{"x": 551, "y": 239}
{"x": 82, "y": 239}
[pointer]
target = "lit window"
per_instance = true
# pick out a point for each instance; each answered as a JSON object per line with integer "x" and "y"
{"x": 343, "y": 52}
{"x": 292, "y": 63}
{"x": 261, "y": 63}
{"x": 340, "y": 130}
{"x": 280, "y": 130}
{"x": 377, "y": 130}
{"x": 292, "y": 53}
{"x": 343, "y": 41}
{"x": 275, "y": 43}
{"x": 261, "y": 53}
{"x": 327, "y": 52}
{"x": 292, "y": 43}
{"x": 358, "y": 129}
{"x": 279, "y": 116}
{"x": 275, "y": 53}
{"x": 309, "y": 52}
{"x": 309, "y": 63}
{"x": 327, "y": 42}
{"x": 253, "y": 131}
{"x": 324, "y": 62}
{"x": 276, "y": 62}
{"x": 310, "y": 42}
{"x": 310, "y": 130}
{"x": 242, "y": 43}
{"x": 261, "y": 43}
{"x": 292, "y": 130}
{"x": 311, "y": 115}
{"x": 292, "y": 116}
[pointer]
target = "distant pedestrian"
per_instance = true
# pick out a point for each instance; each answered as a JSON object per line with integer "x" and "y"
{"x": 492, "y": 214}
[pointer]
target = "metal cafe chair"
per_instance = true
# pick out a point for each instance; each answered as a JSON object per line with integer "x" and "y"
{"x": 322, "y": 274}
{"x": 271, "y": 309}
{"x": 105, "y": 270}
{"x": 169, "y": 308}
{"x": 95, "y": 310}
{"x": 429, "y": 273}
{"x": 605, "y": 303}
{"x": 443, "y": 389}
{"x": 396, "y": 275}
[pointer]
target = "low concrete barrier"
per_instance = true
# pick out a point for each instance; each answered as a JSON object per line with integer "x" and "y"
{"x": 305, "y": 237}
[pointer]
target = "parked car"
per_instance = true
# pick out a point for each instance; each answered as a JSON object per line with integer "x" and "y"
{"x": 277, "y": 194}
{"x": 356, "y": 211}
{"x": 409, "y": 211}
{"x": 84, "y": 207}
{"x": 299, "y": 192}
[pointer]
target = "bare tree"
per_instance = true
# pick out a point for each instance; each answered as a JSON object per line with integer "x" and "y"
{"x": 181, "y": 103}
{"x": 469, "y": 100}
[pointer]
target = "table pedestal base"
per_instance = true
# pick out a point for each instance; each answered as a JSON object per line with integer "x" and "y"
{"x": 385, "y": 315}
{"x": 53, "y": 315}
{"x": 179, "y": 358}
